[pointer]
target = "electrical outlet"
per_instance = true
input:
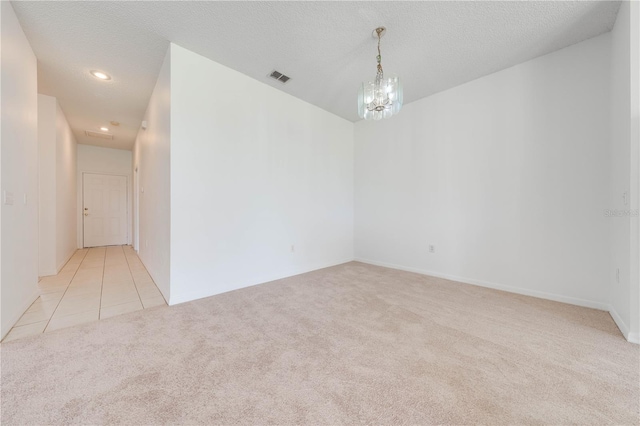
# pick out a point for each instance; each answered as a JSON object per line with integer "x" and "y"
{"x": 432, "y": 248}
{"x": 618, "y": 275}
{"x": 293, "y": 248}
{"x": 146, "y": 243}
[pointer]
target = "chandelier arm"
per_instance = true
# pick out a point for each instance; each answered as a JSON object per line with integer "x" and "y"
{"x": 379, "y": 107}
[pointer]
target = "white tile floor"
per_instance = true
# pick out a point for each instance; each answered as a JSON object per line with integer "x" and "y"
{"x": 96, "y": 283}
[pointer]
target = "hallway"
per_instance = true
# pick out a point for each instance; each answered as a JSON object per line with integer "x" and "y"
{"x": 96, "y": 283}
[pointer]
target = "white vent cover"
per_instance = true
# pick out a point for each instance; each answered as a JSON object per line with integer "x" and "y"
{"x": 98, "y": 135}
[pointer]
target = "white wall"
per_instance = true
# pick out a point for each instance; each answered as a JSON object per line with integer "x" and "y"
{"x": 634, "y": 326}
{"x": 254, "y": 171}
{"x": 94, "y": 159}
{"x": 620, "y": 167}
{"x": 624, "y": 170}
{"x": 47, "y": 185}
{"x": 57, "y": 233}
{"x": 151, "y": 157}
{"x": 19, "y": 160}
{"x": 507, "y": 176}
{"x": 66, "y": 190}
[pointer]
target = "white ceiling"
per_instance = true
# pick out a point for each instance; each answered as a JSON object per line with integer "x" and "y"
{"x": 325, "y": 47}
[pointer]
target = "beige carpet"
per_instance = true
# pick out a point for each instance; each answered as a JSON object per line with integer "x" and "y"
{"x": 349, "y": 344}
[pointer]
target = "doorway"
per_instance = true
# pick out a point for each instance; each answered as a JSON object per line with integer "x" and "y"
{"x": 136, "y": 210}
{"x": 104, "y": 210}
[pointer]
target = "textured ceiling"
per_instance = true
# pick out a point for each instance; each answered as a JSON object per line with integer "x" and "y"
{"x": 325, "y": 47}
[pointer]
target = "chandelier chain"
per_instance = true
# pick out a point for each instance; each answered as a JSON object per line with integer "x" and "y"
{"x": 379, "y": 58}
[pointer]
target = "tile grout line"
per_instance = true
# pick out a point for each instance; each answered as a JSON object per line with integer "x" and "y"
{"x": 90, "y": 250}
{"x": 154, "y": 282}
{"x": 134, "y": 284}
{"x": 63, "y": 266}
{"x": 133, "y": 279}
{"x": 65, "y": 290}
{"x": 104, "y": 266}
{"x": 69, "y": 260}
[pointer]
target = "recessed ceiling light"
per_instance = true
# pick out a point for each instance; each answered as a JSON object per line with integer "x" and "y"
{"x": 104, "y": 129}
{"x": 100, "y": 75}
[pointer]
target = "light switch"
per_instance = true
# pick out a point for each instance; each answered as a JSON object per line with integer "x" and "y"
{"x": 7, "y": 197}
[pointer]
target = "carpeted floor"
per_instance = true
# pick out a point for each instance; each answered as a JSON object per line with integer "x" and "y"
{"x": 350, "y": 344}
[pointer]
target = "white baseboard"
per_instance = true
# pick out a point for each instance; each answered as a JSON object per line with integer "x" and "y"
{"x": 48, "y": 273}
{"x": 64, "y": 262}
{"x": 56, "y": 271}
{"x": 624, "y": 328}
{"x": 207, "y": 292}
{"x": 6, "y": 327}
{"x": 526, "y": 292}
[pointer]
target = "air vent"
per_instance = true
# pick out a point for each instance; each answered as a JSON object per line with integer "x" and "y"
{"x": 98, "y": 135}
{"x": 276, "y": 75}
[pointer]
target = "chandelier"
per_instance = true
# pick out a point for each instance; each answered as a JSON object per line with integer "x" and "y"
{"x": 381, "y": 98}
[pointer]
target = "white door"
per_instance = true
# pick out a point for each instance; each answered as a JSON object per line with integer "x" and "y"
{"x": 104, "y": 210}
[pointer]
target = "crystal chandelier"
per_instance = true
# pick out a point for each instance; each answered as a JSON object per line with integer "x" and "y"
{"x": 381, "y": 98}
